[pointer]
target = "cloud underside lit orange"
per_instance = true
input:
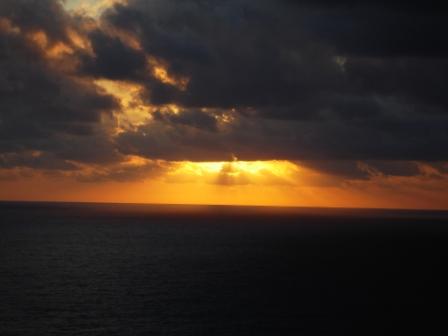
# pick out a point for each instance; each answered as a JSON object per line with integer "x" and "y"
{"x": 264, "y": 183}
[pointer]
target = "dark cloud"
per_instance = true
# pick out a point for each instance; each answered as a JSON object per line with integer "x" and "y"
{"x": 48, "y": 16}
{"x": 174, "y": 141}
{"x": 378, "y": 28}
{"x": 333, "y": 83}
{"x": 271, "y": 54}
{"x": 43, "y": 108}
{"x": 355, "y": 80}
{"x": 364, "y": 170}
{"x": 123, "y": 173}
{"x": 112, "y": 58}
{"x": 257, "y": 139}
{"x": 234, "y": 55}
{"x": 396, "y": 168}
{"x": 37, "y": 160}
{"x": 193, "y": 118}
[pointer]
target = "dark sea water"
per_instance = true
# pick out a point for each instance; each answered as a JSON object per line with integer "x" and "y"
{"x": 74, "y": 269}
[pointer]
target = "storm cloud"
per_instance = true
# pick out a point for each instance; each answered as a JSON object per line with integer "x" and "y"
{"x": 354, "y": 80}
{"x": 329, "y": 83}
{"x": 47, "y": 115}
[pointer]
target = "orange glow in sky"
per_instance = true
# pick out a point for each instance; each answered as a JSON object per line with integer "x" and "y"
{"x": 235, "y": 173}
{"x": 273, "y": 183}
{"x": 140, "y": 123}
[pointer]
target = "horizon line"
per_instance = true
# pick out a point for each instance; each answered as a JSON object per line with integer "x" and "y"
{"x": 260, "y": 206}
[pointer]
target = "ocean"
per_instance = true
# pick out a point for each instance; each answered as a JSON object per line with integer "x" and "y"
{"x": 109, "y": 269}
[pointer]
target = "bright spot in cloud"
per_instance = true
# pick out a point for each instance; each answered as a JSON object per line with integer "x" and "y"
{"x": 160, "y": 71}
{"x": 134, "y": 111}
{"x": 90, "y": 7}
{"x": 235, "y": 173}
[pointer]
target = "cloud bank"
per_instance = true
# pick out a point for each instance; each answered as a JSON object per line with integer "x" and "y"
{"x": 348, "y": 88}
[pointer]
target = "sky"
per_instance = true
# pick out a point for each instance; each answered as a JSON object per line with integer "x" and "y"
{"x": 336, "y": 103}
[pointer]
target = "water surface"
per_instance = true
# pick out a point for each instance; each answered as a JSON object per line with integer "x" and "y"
{"x": 96, "y": 269}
